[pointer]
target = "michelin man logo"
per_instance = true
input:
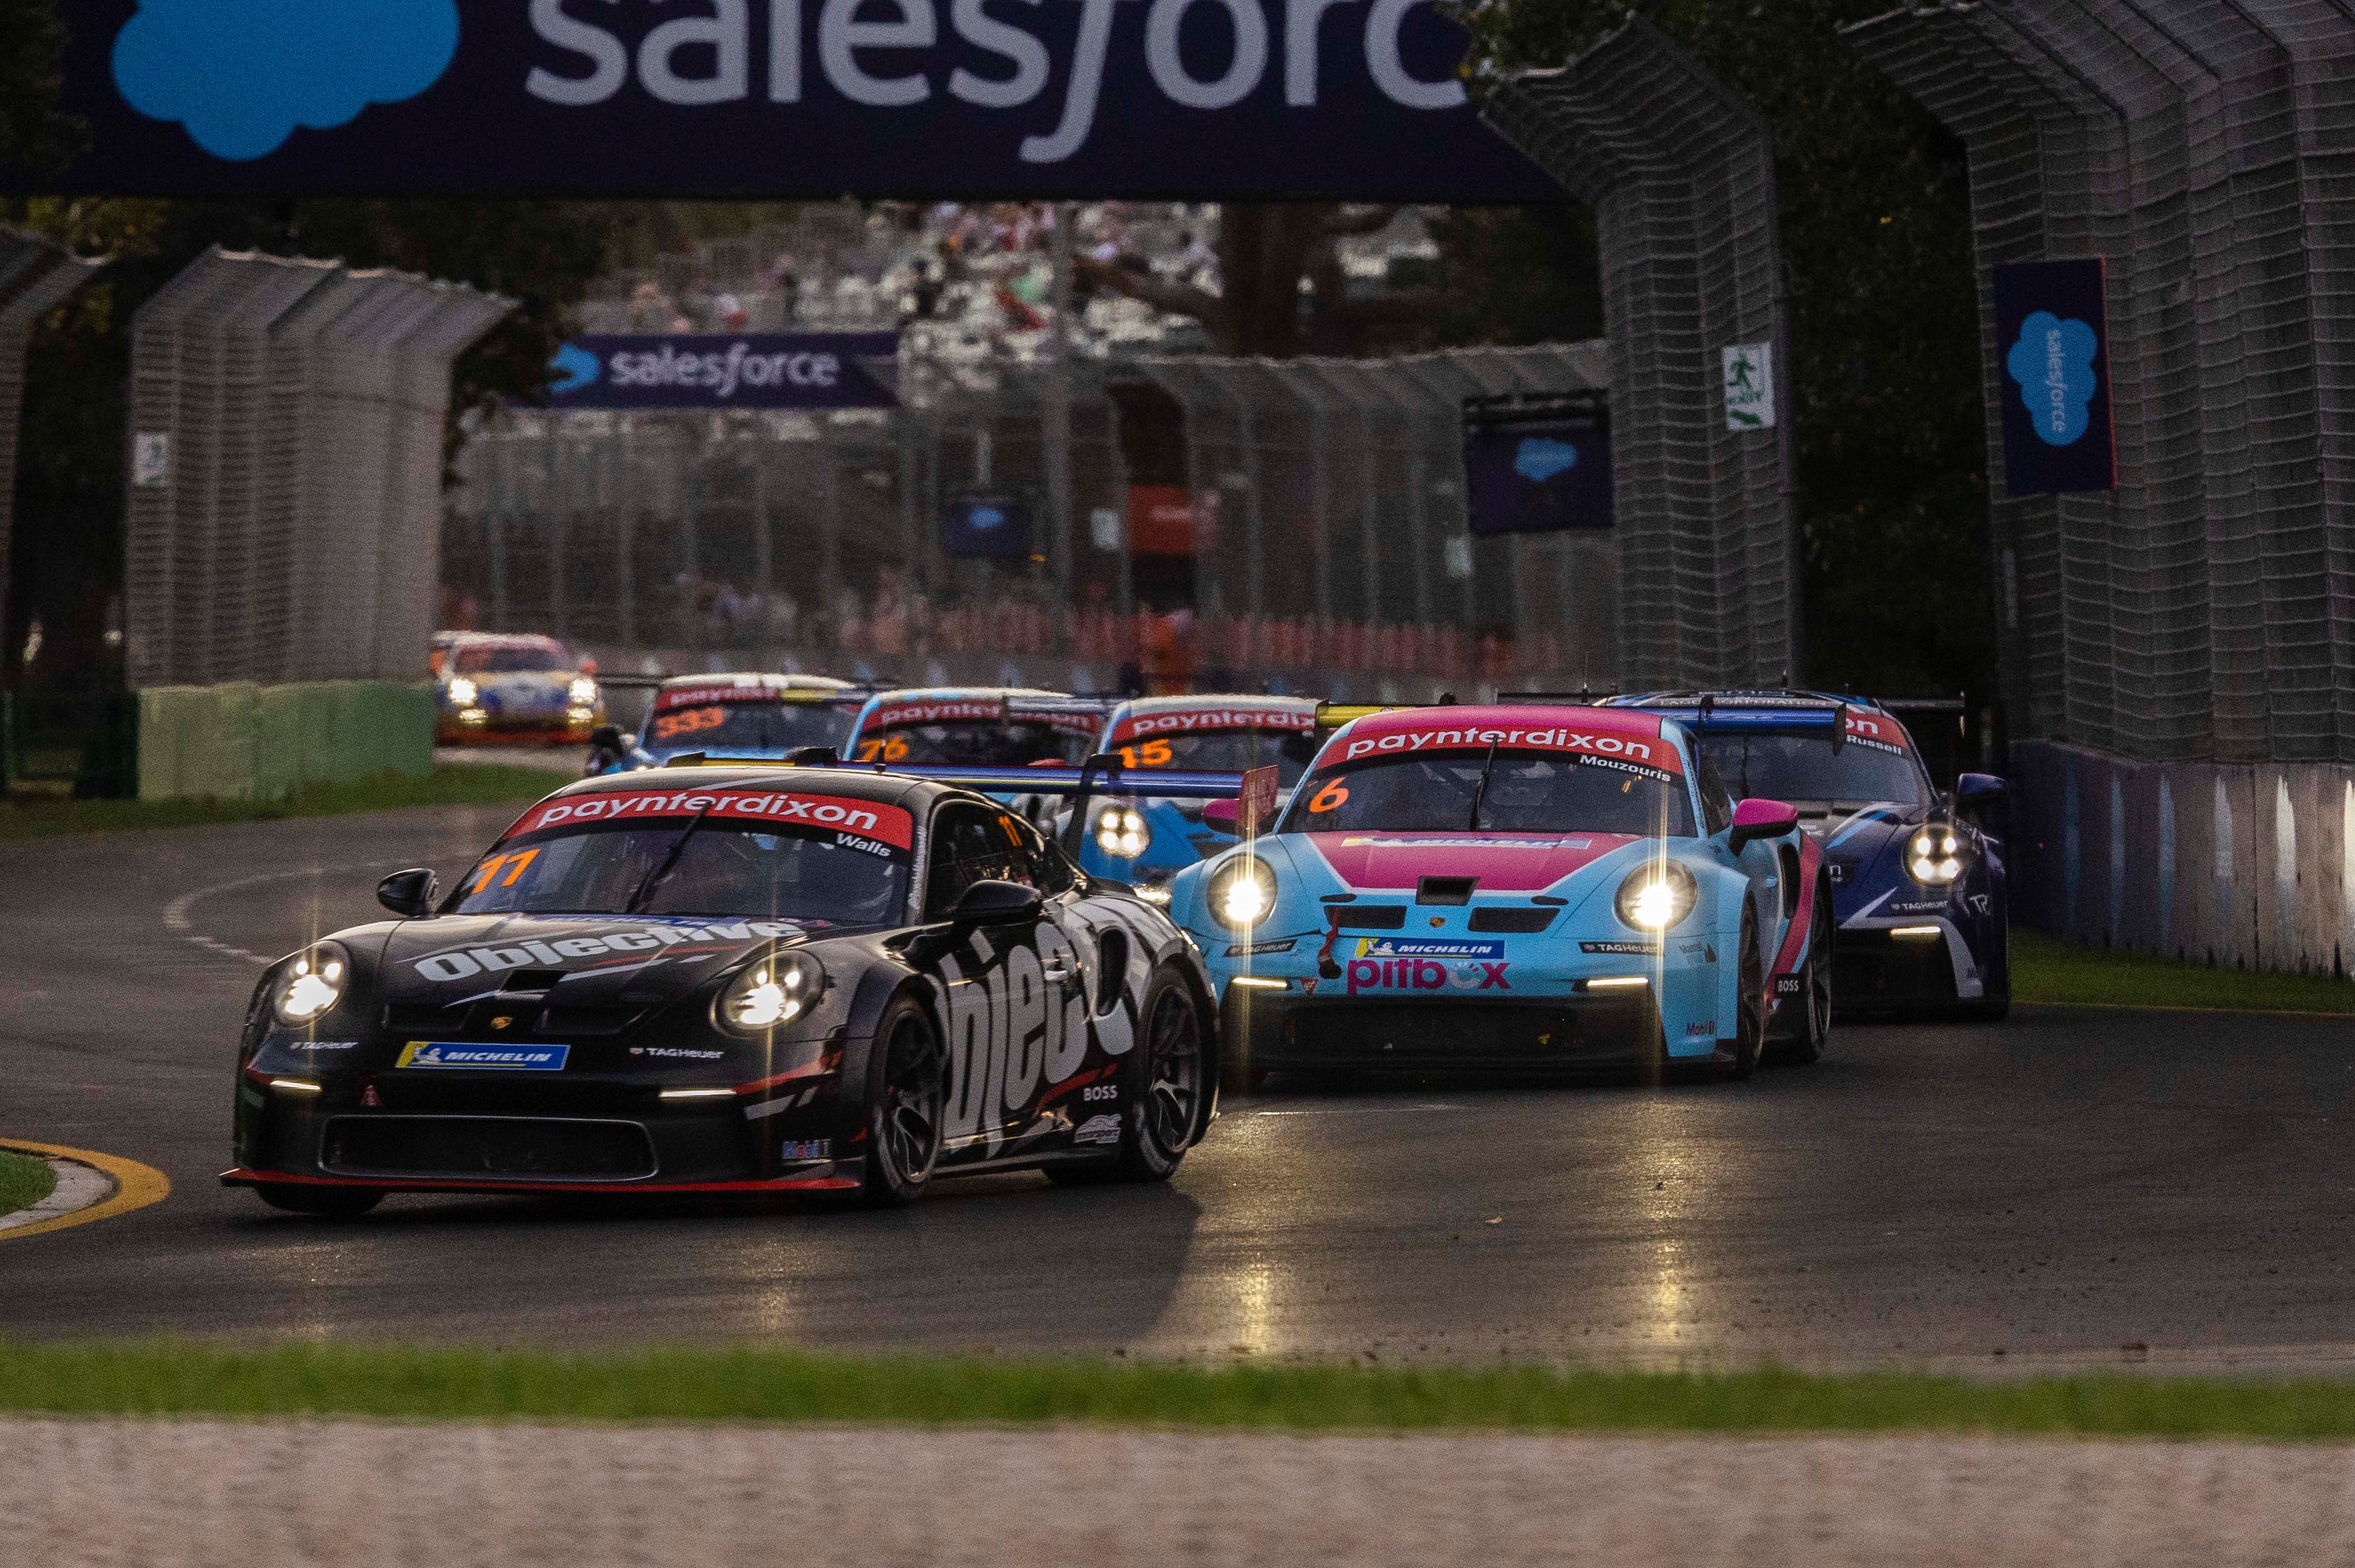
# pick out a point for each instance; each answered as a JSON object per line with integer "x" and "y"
{"x": 2053, "y": 364}
{"x": 241, "y": 75}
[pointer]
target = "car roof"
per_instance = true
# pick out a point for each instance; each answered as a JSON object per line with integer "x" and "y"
{"x": 1217, "y": 699}
{"x": 851, "y": 783}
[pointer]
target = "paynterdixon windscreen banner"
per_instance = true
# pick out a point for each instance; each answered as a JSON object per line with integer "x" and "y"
{"x": 758, "y": 370}
{"x": 2053, "y": 324}
{"x": 1176, "y": 99}
{"x": 1537, "y": 477}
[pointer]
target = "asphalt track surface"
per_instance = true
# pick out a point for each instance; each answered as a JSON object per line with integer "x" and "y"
{"x": 2059, "y": 1188}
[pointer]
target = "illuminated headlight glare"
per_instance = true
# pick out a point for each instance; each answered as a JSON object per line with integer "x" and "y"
{"x": 1242, "y": 892}
{"x": 1934, "y": 857}
{"x": 1656, "y": 895}
{"x": 771, "y": 992}
{"x": 1121, "y": 832}
{"x": 312, "y": 985}
{"x": 462, "y": 691}
{"x": 584, "y": 690}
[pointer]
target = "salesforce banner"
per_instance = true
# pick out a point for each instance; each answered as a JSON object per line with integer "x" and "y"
{"x": 1537, "y": 475}
{"x": 1176, "y": 99}
{"x": 2053, "y": 324}
{"x": 758, "y": 370}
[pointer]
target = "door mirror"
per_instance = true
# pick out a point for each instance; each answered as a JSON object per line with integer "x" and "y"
{"x": 409, "y": 894}
{"x": 1754, "y": 819}
{"x": 1978, "y": 789}
{"x": 994, "y": 902}
{"x": 607, "y": 738}
{"x": 1226, "y": 815}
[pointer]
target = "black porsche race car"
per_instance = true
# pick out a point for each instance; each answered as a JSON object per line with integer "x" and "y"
{"x": 731, "y": 979}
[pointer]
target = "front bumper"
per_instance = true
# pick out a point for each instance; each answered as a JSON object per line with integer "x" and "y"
{"x": 487, "y": 1133}
{"x": 1875, "y": 968}
{"x": 1277, "y": 1031}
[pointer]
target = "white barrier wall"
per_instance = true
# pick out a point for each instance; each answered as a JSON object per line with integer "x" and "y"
{"x": 2243, "y": 865}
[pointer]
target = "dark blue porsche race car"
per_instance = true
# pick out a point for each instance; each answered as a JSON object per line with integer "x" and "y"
{"x": 1917, "y": 878}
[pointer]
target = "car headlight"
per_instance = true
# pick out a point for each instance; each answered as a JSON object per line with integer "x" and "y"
{"x": 771, "y": 993}
{"x": 462, "y": 691}
{"x": 584, "y": 690}
{"x": 1656, "y": 895}
{"x": 1243, "y": 893}
{"x": 1121, "y": 832}
{"x": 1935, "y": 857}
{"x": 309, "y": 987}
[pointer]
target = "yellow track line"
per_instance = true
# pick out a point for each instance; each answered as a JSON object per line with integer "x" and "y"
{"x": 135, "y": 1187}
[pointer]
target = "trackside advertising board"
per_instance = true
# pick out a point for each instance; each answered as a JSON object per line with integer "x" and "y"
{"x": 2053, "y": 324}
{"x": 1537, "y": 477}
{"x": 1232, "y": 99}
{"x": 778, "y": 370}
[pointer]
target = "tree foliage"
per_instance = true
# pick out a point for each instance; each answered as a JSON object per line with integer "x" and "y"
{"x": 34, "y": 134}
{"x": 1884, "y": 328}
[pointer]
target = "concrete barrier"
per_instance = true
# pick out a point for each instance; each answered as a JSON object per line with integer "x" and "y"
{"x": 2245, "y": 864}
{"x": 245, "y": 741}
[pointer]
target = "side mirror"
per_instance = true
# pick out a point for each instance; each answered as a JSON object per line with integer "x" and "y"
{"x": 1978, "y": 789}
{"x": 1754, "y": 819}
{"x": 607, "y": 737}
{"x": 1226, "y": 815}
{"x": 409, "y": 894}
{"x": 995, "y": 903}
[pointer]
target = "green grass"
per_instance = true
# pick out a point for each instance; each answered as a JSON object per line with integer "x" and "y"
{"x": 462, "y": 784}
{"x": 24, "y": 1182}
{"x": 391, "y": 1381}
{"x": 2044, "y": 970}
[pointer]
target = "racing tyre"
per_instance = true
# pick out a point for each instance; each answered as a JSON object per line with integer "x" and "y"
{"x": 1161, "y": 1086}
{"x": 320, "y": 1202}
{"x": 907, "y": 1103}
{"x": 1816, "y": 987}
{"x": 1749, "y": 1000}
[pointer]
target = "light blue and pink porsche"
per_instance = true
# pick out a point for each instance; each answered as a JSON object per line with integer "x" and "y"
{"x": 1519, "y": 889}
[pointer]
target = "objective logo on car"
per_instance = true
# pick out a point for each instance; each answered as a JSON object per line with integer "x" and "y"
{"x": 241, "y": 76}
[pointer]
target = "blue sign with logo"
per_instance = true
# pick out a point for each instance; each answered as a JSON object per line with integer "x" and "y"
{"x": 2053, "y": 324}
{"x": 760, "y": 370}
{"x": 1537, "y": 475}
{"x": 452, "y": 1056}
{"x": 986, "y": 527}
{"x": 1235, "y": 99}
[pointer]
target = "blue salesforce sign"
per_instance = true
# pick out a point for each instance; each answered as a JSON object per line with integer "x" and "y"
{"x": 1527, "y": 474}
{"x": 2052, "y": 321}
{"x": 986, "y": 527}
{"x": 759, "y": 370}
{"x": 1179, "y": 99}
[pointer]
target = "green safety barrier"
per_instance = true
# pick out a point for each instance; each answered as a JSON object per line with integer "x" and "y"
{"x": 244, "y": 742}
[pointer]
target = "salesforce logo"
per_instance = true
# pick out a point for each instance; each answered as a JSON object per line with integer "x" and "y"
{"x": 1541, "y": 457}
{"x": 2053, "y": 364}
{"x": 574, "y": 368}
{"x": 982, "y": 519}
{"x": 241, "y": 75}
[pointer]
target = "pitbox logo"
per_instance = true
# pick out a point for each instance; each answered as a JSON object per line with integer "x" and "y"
{"x": 1425, "y": 974}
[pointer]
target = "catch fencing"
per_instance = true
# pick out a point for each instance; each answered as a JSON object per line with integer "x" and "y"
{"x": 36, "y": 277}
{"x": 2205, "y": 609}
{"x": 287, "y": 425}
{"x": 1682, "y": 177}
{"x": 1312, "y": 511}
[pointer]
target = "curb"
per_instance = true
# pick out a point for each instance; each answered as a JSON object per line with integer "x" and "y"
{"x": 91, "y": 1186}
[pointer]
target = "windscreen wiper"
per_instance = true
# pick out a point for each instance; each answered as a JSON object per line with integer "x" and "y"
{"x": 1480, "y": 790}
{"x": 653, "y": 877}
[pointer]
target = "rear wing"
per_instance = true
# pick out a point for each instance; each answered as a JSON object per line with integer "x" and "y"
{"x": 1710, "y": 715}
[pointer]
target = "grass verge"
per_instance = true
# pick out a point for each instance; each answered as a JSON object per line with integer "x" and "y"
{"x": 24, "y": 1182}
{"x": 392, "y": 1381}
{"x": 2044, "y": 970}
{"x": 458, "y": 784}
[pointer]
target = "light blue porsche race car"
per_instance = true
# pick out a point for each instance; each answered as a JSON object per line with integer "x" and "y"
{"x": 1523, "y": 889}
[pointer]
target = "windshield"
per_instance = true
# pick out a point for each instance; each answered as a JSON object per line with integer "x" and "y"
{"x": 1525, "y": 793}
{"x": 838, "y": 862}
{"x": 751, "y": 727}
{"x": 973, "y": 743}
{"x": 513, "y": 661}
{"x": 1224, "y": 752}
{"x": 1803, "y": 768}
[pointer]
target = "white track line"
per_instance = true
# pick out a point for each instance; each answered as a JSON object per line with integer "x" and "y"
{"x": 175, "y": 913}
{"x": 79, "y": 1186}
